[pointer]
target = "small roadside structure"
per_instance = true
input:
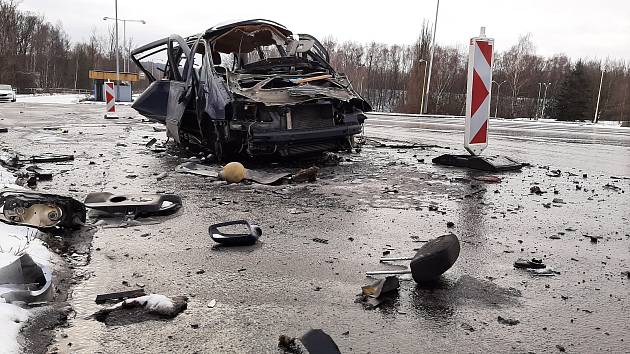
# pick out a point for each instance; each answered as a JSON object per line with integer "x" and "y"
{"x": 123, "y": 89}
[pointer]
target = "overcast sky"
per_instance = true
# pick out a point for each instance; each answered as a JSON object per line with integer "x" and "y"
{"x": 578, "y": 28}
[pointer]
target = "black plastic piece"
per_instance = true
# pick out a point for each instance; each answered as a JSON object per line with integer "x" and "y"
{"x": 235, "y": 239}
{"x": 317, "y": 341}
{"x": 434, "y": 258}
{"x": 483, "y": 163}
{"x": 119, "y": 296}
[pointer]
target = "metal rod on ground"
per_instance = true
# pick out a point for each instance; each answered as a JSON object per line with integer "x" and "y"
{"x": 386, "y": 272}
{"x": 426, "y": 100}
{"x": 390, "y": 259}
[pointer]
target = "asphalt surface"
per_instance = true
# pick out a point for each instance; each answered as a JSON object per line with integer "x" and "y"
{"x": 381, "y": 199}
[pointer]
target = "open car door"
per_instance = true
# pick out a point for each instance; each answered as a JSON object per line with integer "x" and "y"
{"x": 165, "y": 100}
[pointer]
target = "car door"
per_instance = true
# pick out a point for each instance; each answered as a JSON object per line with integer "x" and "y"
{"x": 166, "y": 98}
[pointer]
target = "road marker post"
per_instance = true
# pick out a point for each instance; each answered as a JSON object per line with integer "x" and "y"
{"x": 478, "y": 93}
{"x": 478, "y": 96}
{"x": 110, "y": 100}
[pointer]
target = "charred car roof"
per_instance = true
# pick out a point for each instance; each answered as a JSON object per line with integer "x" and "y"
{"x": 222, "y": 28}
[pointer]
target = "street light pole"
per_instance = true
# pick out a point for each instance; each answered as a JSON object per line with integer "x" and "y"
{"x": 538, "y": 102}
{"x": 542, "y": 114}
{"x": 437, "y": 8}
{"x": 496, "y": 106}
{"x": 599, "y": 93}
{"x": 424, "y": 80}
{"x": 117, "y": 59}
{"x": 127, "y": 49}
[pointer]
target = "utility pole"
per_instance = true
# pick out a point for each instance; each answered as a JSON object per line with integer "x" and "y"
{"x": 424, "y": 80}
{"x": 599, "y": 93}
{"x": 496, "y": 106}
{"x": 437, "y": 8}
{"x": 117, "y": 54}
{"x": 542, "y": 114}
{"x": 538, "y": 102}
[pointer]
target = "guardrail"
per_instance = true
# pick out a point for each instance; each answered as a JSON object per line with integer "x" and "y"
{"x": 52, "y": 90}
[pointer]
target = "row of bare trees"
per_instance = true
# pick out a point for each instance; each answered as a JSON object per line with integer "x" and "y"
{"x": 392, "y": 77}
{"x": 36, "y": 54}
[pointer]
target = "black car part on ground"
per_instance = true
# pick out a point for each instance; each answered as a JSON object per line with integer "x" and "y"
{"x": 235, "y": 239}
{"x": 39, "y": 210}
{"x": 25, "y": 280}
{"x": 134, "y": 204}
{"x": 250, "y": 87}
{"x": 431, "y": 261}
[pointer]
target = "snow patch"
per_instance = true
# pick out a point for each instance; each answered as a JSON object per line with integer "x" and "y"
{"x": 11, "y": 319}
{"x": 156, "y": 303}
{"x": 54, "y": 99}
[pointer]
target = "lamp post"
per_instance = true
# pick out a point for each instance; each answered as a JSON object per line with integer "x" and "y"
{"x": 496, "y": 106}
{"x": 424, "y": 80}
{"x": 437, "y": 8}
{"x": 542, "y": 113}
{"x": 599, "y": 93}
{"x": 127, "y": 50}
{"x": 538, "y": 101}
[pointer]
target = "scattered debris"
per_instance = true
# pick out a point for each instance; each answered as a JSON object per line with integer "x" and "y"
{"x": 315, "y": 341}
{"x": 154, "y": 304}
{"x": 48, "y": 157}
{"x": 508, "y": 321}
{"x": 488, "y": 179}
{"x": 431, "y": 261}
{"x": 467, "y": 327}
{"x": 561, "y": 348}
{"x": 523, "y": 263}
{"x": 136, "y": 205}
{"x": 554, "y": 173}
{"x": 212, "y": 303}
{"x": 320, "y": 240}
{"x": 151, "y": 142}
{"x": 536, "y": 190}
{"x": 265, "y": 177}
{"x": 295, "y": 211}
{"x": 306, "y": 175}
{"x": 41, "y": 210}
{"x": 235, "y": 239}
{"x": 450, "y": 224}
{"x": 40, "y": 174}
{"x": 119, "y": 296}
{"x": 197, "y": 169}
{"x": 4, "y": 130}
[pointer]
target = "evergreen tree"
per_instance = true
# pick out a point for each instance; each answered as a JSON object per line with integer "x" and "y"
{"x": 572, "y": 102}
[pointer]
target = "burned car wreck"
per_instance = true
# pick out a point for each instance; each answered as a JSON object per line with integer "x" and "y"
{"x": 252, "y": 88}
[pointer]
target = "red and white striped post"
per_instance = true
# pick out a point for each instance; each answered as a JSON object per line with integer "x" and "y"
{"x": 478, "y": 93}
{"x": 110, "y": 100}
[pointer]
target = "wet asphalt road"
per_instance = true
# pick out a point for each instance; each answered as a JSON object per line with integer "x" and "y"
{"x": 377, "y": 199}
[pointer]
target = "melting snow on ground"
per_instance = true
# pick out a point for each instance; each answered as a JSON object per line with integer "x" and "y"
{"x": 16, "y": 240}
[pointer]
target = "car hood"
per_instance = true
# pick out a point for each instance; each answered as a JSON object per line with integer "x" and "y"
{"x": 4, "y": 92}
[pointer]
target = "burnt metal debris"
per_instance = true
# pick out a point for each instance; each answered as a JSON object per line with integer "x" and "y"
{"x": 251, "y": 88}
{"x": 25, "y": 280}
{"x": 42, "y": 211}
{"x": 483, "y": 163}
{"x": 235, "y": 239}
{"x": 431, "y": 261}
{"x": 119, "y": 296}
{"x": 135, "y": 205}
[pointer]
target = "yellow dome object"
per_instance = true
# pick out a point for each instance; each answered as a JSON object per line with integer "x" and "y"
{"x": 233, "y": 172}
